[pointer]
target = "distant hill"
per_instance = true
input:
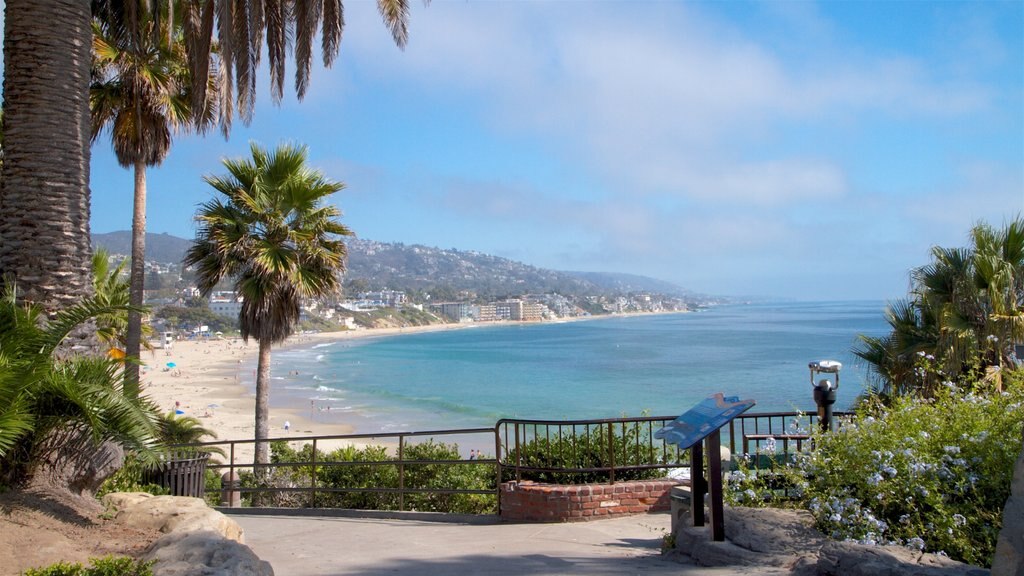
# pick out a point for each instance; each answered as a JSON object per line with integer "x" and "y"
{"x": 159, "y": 247}
{"x": 415, "y": 267}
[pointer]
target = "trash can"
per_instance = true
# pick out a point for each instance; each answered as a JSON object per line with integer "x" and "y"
{"x": 182, "y": 474}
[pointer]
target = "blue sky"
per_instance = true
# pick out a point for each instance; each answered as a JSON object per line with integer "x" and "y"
{"x": 791, "y": 149}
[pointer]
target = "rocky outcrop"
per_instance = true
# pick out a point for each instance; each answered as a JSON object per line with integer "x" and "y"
{"x": 1009, "y": 558}
{"x": 851, "y": 559}
{"x": 755, "y": 537}
{"x": 204, "y": 553}
{"x": 170, "y": 514}
{"x": 787, "y": 539}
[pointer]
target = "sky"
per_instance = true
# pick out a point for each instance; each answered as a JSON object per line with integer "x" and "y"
{"x": 790, "y": 149}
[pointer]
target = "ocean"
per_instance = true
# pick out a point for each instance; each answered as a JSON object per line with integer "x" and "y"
{"x": 602, "y": 368}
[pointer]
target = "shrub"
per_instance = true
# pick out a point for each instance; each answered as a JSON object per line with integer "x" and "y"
{"x": 351, "y": 475}
{"x": 558, "y": 458}
{"x": 129, "y": 479}
{"x": 106, "y": 566}
{"x": 932, "y": 475}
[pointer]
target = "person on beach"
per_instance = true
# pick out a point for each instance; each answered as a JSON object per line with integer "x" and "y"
{"x": 287, "y": 425}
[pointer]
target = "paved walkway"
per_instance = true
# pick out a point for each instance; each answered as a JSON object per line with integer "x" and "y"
{"x": 328, "y": 546}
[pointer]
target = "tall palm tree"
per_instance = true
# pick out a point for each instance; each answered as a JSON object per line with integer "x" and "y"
{"x": 141, "y": 93}
{"x": 44, "y": 183}
{"x": 271, "y": 233}
{"x": 44, "y": 189}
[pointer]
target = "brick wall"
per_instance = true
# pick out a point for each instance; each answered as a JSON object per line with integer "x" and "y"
{"x": 532, "y": 502}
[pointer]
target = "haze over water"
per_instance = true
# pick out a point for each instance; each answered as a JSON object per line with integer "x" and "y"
{"x": 599, "y": 368}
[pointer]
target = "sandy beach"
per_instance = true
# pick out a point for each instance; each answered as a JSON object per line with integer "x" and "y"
{"x": 204, "y": 379}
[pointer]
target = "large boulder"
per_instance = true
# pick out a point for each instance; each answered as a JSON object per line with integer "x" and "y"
{"x": 755, "y": 537}
{"x": 204, "y": 553}
{"x": 787, "y": 539}
{"x": 1009, "y": 558}
{"x": 852, "y": 559}
{"x": 170, "y": 514}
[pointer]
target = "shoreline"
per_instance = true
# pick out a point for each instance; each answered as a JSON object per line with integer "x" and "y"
{"x": 204, "y": 380}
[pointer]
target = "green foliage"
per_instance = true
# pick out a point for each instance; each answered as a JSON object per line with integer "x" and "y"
{"x": 199, "y": 314}
{"x": 172, "y": 429}
{"x": 932, "y": 475}
{"x": 964, "y": 311}
{"x": 589, "y": 449}
{"x": 353, "y": 471}
{"x": 129, "y": 479}
{"x": 106, "y": 566}
{"x": 47, "y": 404}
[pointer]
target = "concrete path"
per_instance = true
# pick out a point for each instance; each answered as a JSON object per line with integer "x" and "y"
{"x": 328, "y": 546}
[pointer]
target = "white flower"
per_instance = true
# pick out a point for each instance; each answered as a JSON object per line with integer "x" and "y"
{"x": 959, "y": 520}
{"x": 915, "y": 543}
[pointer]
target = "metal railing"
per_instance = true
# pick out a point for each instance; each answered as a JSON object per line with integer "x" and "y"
{"x": 305, "y": 478}
{"x": 603, "y": 450}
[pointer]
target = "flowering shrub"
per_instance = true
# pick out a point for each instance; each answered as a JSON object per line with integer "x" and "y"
{"x": 932, "y": 475}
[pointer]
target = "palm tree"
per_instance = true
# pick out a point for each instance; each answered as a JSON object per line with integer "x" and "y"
{"x": 240, "y": 31}
{"x": 111, "y": 290}
{"x": 44, "y": 189}
{"x": 44, "y": 183}
{"x": 272, "y": 235}
{"x": 54, "y": 413}
{"x": 965, "y": 312}
{"x": 141, "y": 93}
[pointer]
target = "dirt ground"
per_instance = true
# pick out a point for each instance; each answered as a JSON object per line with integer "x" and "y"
{"x": 39, "y": 528}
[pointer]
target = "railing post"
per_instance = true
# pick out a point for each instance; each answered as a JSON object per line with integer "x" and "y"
{"x": 611, "y": 453}
{"x": 401, "y": 473}
{"x": 519, "y": 455}
{"x": 497, "y": 466}
{"x": 312, "y": 475}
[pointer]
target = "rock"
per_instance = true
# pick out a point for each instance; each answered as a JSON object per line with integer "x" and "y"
{"x": 1009, "y": 557}
{"x": 787, "y": 539}
{"x": 754, "y": 537}
{"x": 773, "y": 531}
{"x": 851, "y": 559}
{"x": 204, "y": 553}
{"x": 170, "y": 514}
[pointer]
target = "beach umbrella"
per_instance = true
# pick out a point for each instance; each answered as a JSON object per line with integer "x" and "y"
{"x": 171, "y": 364}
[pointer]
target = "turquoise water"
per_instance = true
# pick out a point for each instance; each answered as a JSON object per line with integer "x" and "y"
{"x": 592, "y": 369}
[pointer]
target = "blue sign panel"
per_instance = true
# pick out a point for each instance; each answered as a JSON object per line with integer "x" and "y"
{"x": 698, "y": 422}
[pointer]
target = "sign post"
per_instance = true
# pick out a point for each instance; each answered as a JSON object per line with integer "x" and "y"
{"x": 704, "y": 422}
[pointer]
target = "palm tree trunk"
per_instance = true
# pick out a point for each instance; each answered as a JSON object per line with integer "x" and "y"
{"x": 133, "y": 339}
{"x": 263, "y": 403}
{"x": 44, "y": 194}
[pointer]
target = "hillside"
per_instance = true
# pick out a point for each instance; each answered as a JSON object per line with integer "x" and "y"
{"x": 376, "y": 265}
{"x": 162, "y": 248}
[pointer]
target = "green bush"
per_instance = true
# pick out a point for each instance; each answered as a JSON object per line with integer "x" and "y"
{"x": 129, "y": 479}
{"x": 106, "y": 566}
{"x": 588, "y": 448}
{"x": 348, "y": 479}
{"x": 929, "y": 474}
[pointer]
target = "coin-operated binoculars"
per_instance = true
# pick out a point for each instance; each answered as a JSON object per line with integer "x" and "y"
{"x": 825, "y": 390}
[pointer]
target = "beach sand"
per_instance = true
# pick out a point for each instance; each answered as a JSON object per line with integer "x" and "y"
{"x": 206, "y": 379}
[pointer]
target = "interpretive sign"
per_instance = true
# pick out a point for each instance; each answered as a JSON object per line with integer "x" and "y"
{"x": 698, "y": 422}
{"x": 704, "y": 422}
